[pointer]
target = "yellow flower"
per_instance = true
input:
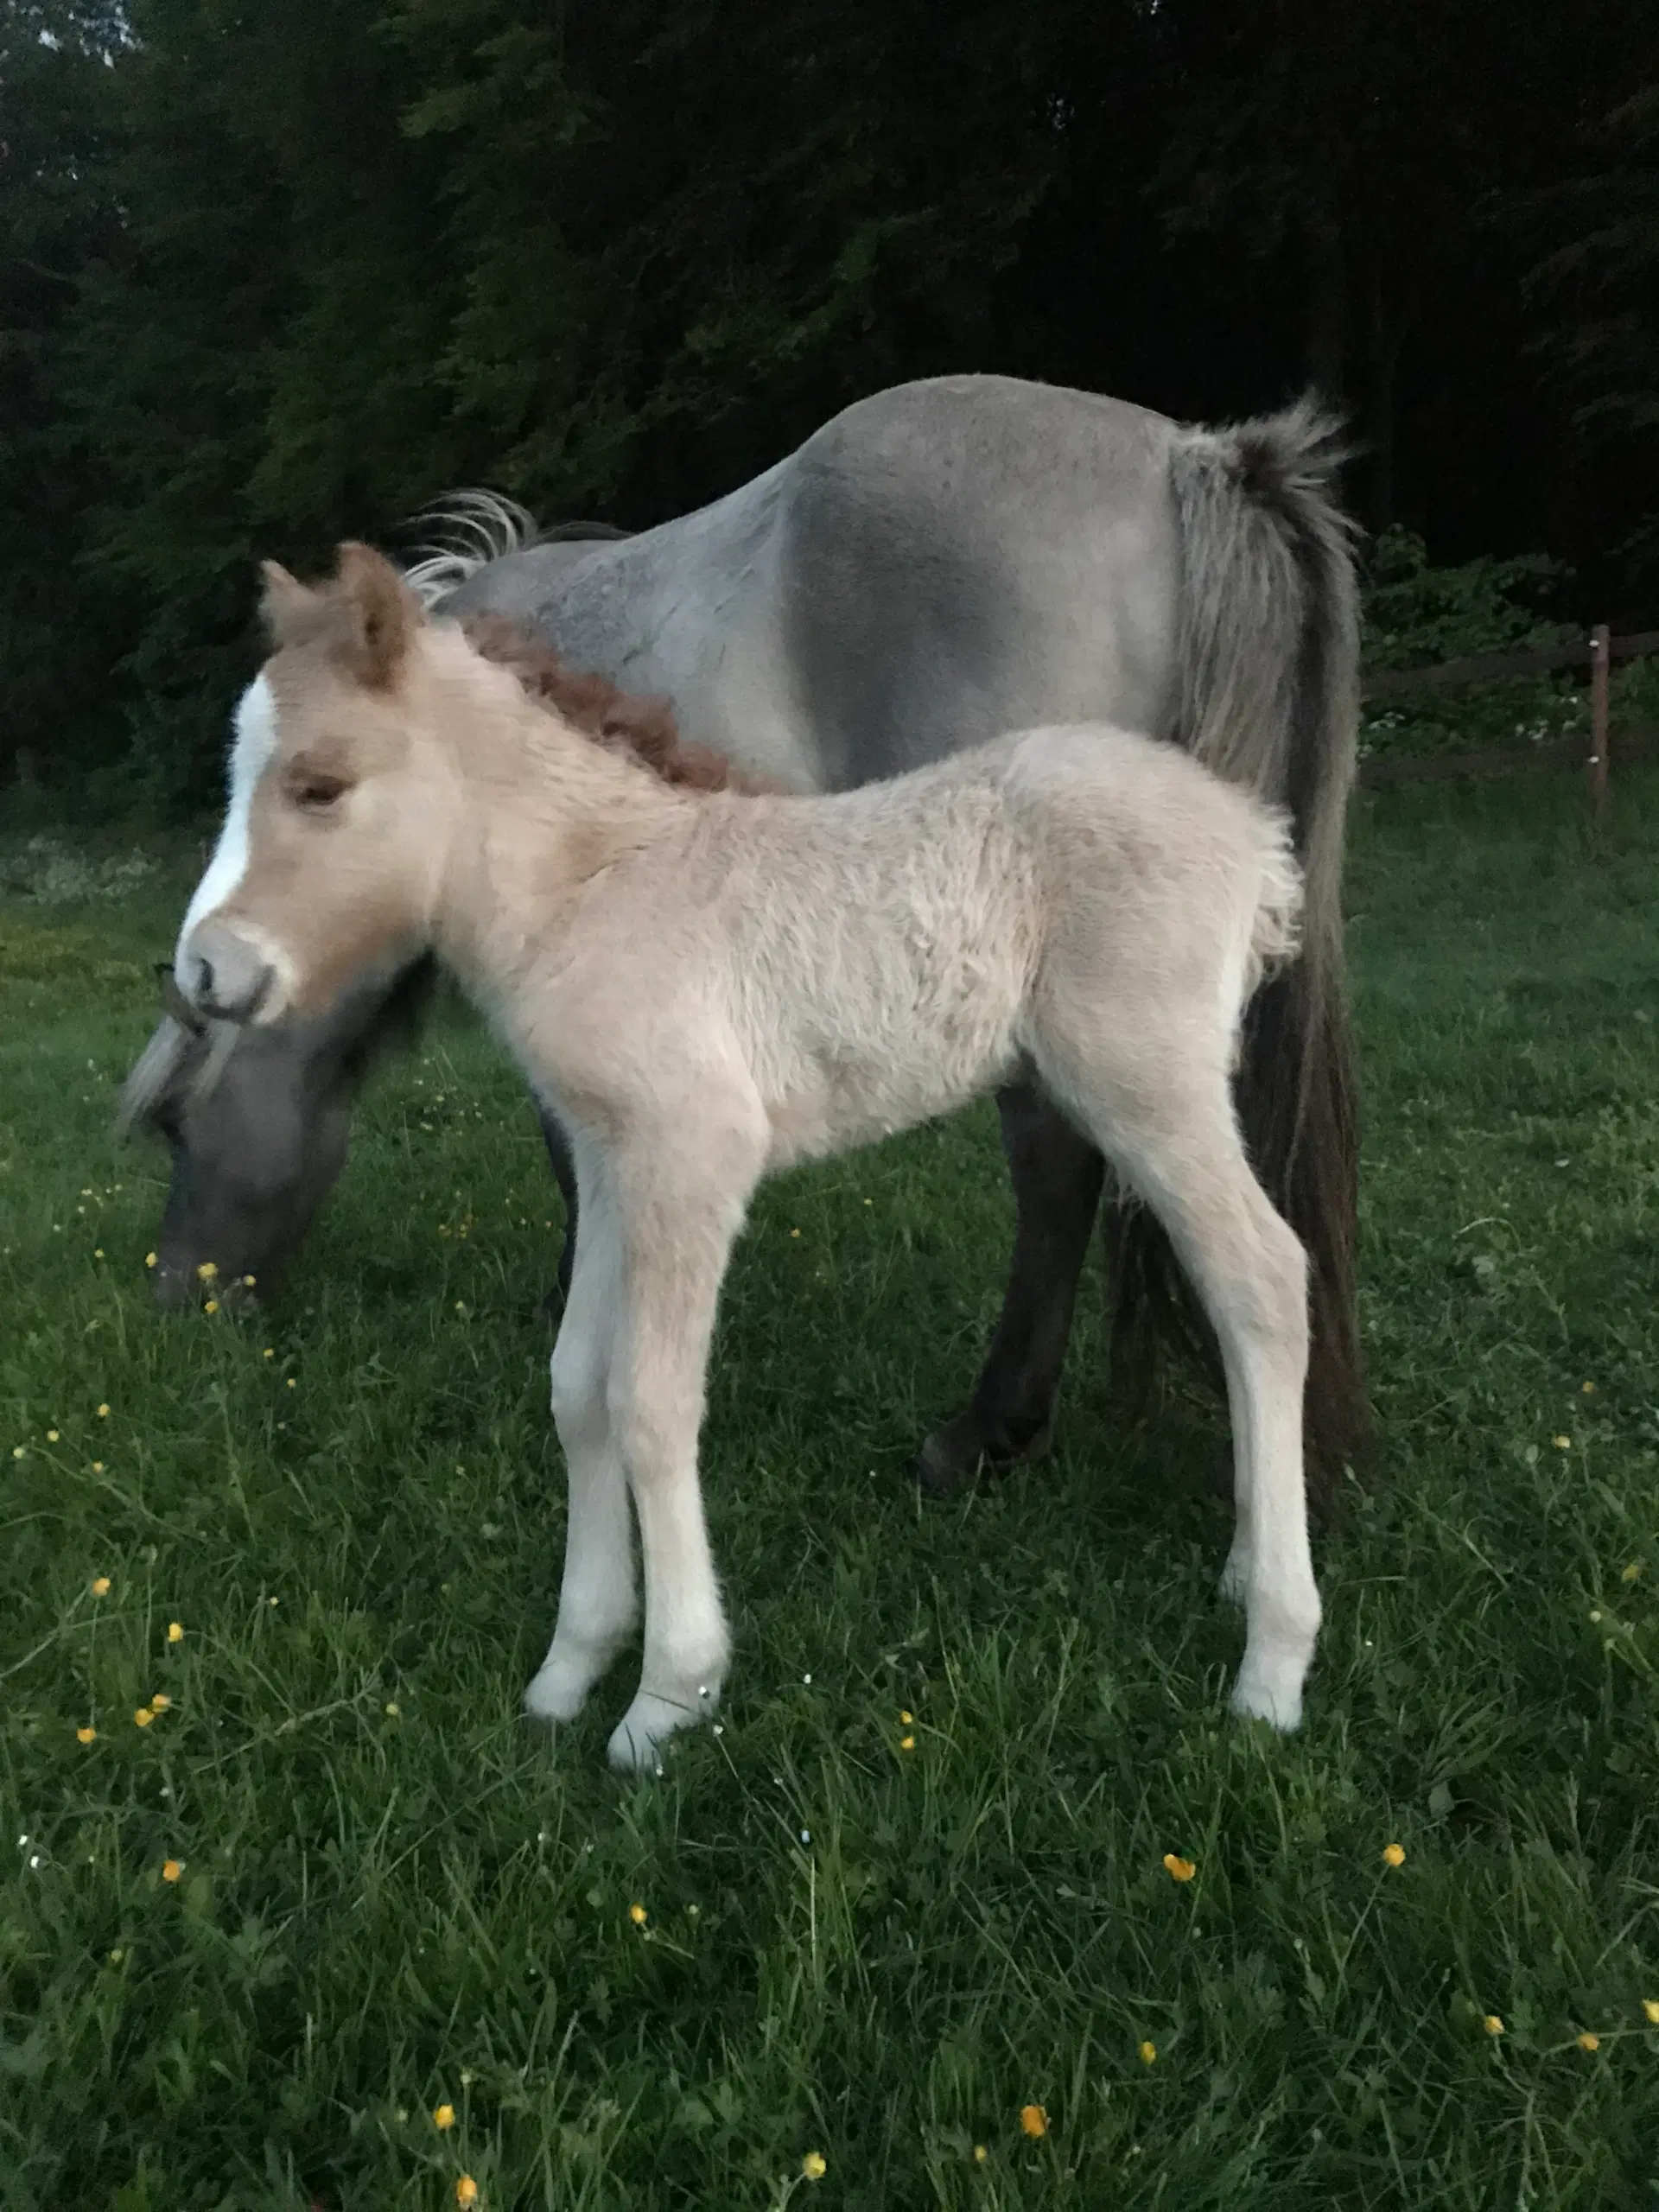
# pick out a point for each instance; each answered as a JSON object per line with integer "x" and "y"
{"x": 465, "y": 2191}
{"x": 1587, "y": 2042}
{"x": 270, "y": 1351}
{"x": 85, "y": 1735}
{"x": 443, "y": 2116}
{"x": 1179, "y": 1870}
{"x": 1394, "y": 1854}
{"x": 1651, "y": 2006}
{"x": 248, "y": 1281}
{"x": 207, "y": 1272}
{"x": 292, "y": 1385}
{"x": 906, "y": 1719}
{"x": 1493, "y": 2025}
{"x": 171, "y": 1869}
{"x": 101, "y": 1586}
{"x": 143, "y": 1717}
{"x": 103, "y": 1413}
{"x": 638, "y": 1915}
{"x": 814, "y": 2165}
{"x": 98, "y": 1466}
{"x": 907, "y": 1742}
{"x": 175, "y": 1631}
{"x": 211, "y": 1306}
{"x": 150, "y": 1259}
{"x": 51, "y": 1435}
{"x": 16, "y": 1451}
{"x": 794, "y": 1232}
{"x": 97, "y": 1251}
{"x": 979, "y": 2152}
{"x": 392, "y": 1709}
{"x": 1633, "y": 1572}
{"x": 1587, "y": 1388}
{"x": 1033, "y": 2121}
{"x": 1562, "y": 1443}
{"x": 1148, "y": 2054}
{"x": 160, "y": 1702}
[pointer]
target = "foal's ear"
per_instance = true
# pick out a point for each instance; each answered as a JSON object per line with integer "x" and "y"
{"x": 382, "y": 614}
{"x": 287, "y": 602}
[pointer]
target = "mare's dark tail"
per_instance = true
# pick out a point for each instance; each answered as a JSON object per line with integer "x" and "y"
{"x": 1268, "y": 657}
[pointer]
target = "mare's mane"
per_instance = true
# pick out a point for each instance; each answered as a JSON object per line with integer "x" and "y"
{"x": 642, "y": 730}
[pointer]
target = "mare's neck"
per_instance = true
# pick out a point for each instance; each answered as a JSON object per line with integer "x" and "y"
{"x": 542, "y": 811}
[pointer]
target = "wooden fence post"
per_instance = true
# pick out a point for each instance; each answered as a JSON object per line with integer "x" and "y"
{"x": 1600, "y": 642}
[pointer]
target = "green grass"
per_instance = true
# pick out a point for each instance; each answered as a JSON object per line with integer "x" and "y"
{"x": 394, "y": 1894}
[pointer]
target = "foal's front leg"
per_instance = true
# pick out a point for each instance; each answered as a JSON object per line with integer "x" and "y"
{"x": 598, "y": 1599}
{"x": 560, "y": 1161}
{"x": 677, "y": 1233}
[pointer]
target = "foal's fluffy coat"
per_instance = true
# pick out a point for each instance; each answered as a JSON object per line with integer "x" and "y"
{"x": 705, "y": 987}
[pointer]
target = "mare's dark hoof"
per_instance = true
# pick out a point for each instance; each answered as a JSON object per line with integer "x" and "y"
{"x": 952, "y": 1457}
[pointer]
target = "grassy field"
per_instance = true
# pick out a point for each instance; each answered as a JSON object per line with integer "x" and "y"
{"x": 916, "y": 1883}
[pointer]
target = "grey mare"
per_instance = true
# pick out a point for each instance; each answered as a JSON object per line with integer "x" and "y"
{"x": 943, "y": 562}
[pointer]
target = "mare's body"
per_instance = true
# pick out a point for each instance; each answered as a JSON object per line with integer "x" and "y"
{"x": 941, "y": 563}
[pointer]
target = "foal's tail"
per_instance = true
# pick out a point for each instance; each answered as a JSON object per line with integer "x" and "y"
{"x": 1268, "y": 657}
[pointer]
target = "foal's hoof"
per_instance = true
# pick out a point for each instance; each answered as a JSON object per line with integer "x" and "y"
{"x": 639, "y": 1739}
{"x": 950, "y": 1459}
{"x": 1271, "y": 1693}
{"x": 560, "y": 1687}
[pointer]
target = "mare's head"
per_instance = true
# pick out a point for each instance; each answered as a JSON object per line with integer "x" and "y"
{"x": 342, "y": 803}
{"x": 257, "y": 1123}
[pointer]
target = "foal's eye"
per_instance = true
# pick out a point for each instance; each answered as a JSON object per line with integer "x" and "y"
{"x": 314, "y": 792}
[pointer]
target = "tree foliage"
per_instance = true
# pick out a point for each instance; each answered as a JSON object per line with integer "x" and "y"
{"x": 268, "y": 276}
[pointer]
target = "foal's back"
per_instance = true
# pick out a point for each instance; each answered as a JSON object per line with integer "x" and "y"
{"x": 886, "y": 954}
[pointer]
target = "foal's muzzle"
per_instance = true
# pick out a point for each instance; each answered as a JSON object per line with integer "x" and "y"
{"x": 225, "y": 975}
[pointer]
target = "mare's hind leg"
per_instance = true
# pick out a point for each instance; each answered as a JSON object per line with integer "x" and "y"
{"x": 598, "y": 1597}
{"x": 1178, "y": 1144}
{"x": 1057, "y": 1177}
{"x": 564, "y": 1174}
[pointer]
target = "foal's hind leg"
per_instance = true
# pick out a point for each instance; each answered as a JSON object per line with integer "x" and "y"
{"x": 1057, "y": 1177}
{"x": 1178, "y": 1145}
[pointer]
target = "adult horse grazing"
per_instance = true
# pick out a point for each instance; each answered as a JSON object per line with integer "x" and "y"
{"x": 705, "y": 987}
{"x": 942, "y": 563}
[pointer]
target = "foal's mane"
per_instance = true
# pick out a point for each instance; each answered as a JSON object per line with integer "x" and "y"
{"x": 642, "y": 730}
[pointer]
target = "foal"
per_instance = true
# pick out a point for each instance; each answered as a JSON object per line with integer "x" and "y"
{"x": 704, "y": 986}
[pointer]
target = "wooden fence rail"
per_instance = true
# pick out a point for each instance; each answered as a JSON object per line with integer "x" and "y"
{"x": 1596, "y": 652}
{"x": 1494, "y": 668}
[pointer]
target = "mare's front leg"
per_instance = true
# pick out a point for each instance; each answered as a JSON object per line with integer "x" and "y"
{"x": 564, "y": 1174}
{"x": 1057, "y": 1177}
{"x": 681, "y": 1196}
{"x": 598, "y": 1599}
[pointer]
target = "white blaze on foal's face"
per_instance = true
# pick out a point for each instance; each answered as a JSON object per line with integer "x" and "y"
{"x": 251, "y": 746}
{"x": 332, "y": 845}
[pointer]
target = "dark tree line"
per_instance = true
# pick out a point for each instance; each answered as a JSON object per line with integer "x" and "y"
{"x": 271, "y": 274}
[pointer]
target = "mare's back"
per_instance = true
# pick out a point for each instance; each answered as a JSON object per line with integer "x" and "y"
{"x": 941, "y": 563}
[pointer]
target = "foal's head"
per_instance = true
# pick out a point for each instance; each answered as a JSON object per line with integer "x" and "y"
{"x": 342, "y": 799}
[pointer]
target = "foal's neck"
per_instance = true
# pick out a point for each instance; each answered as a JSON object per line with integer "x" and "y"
{"x": 546, "y": 808}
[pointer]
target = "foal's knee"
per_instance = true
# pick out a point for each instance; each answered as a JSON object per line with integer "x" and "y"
{"x": 576, "y": 1392}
